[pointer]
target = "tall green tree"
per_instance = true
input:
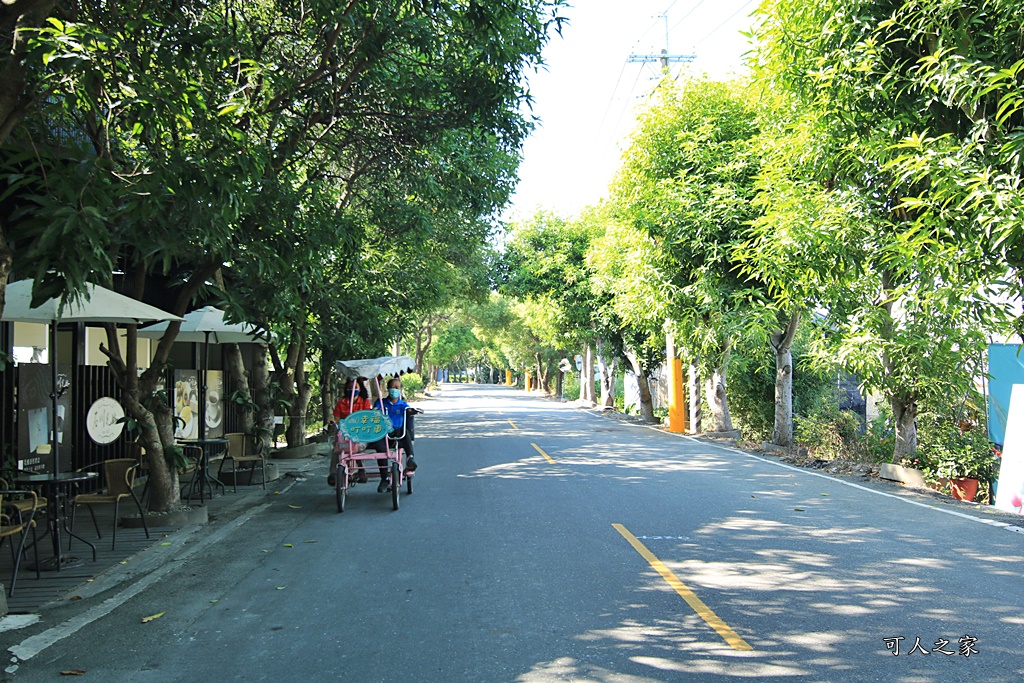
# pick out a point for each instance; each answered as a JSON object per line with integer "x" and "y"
{"x": 918, "y": 300}
{"x": 688, "y": 181}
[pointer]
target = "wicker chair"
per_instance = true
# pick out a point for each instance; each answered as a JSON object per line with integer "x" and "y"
{"x": 25, "y": 504}
{"x": 239, "y": 453}
{"x": 18, "y": 524}
{"x": 119, "y": 477}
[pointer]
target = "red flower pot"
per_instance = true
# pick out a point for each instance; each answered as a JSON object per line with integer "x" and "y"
{"x": 964, "y": 488}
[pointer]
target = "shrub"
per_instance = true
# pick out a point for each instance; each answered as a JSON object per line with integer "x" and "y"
{"x": 950, "y": 450}
{"x": 412, "y": 383}
{"x": 752, "y": 391}
{"x": 571, "y": 388}
{"x": 829, "y": 432}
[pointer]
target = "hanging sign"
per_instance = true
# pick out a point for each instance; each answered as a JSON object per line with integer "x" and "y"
{"x": 103, "y": 421}
{"x": 366, "y": 426}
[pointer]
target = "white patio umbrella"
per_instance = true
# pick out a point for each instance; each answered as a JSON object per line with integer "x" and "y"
{"x": 206, "y": 325}
{"x": 97, "y": 305}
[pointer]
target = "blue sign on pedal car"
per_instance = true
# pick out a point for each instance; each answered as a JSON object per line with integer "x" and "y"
{"x": 366, "y": 426}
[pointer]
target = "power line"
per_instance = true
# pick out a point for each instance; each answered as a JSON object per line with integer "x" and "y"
{"x": 692, "y": 10}
{"x": 611, "y": 99}
{"x": 628, "y": 100}
{"x": 731, "y": 17}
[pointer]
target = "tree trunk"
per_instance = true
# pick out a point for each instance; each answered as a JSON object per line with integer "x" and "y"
{"x": 156, "y": 429}
{"x": 539, "y": 377}
{"x": 607, "y": 377}
{"x": 782, "y": 343}
{"x": 718, "y": 399}
{"x": 261, "y": 395}
{"x": 140, "y": 390}
{"x": 327, "y": 396}
{"x": 904, "y": 406}
{"x": 18, "y": 21}
{"x": 904, "y": 411}
{"x": 643, "y": 381}
{"x": 587, "y": 376}
{"x": 239, "y": 387}
{"x": 695, "y": 399}
{"x": 297, "y": 393}
{"x": 6, "y": 262}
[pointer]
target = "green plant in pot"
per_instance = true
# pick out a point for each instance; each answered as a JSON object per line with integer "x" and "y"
{"x": 957, "y": 454}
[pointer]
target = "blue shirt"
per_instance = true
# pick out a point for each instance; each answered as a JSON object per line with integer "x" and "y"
{"x": 396, "y": 411}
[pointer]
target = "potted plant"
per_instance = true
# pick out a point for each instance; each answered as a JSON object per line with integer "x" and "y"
{"x": 964, "y": 457}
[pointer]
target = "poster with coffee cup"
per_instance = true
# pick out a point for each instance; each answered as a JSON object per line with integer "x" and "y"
{"x": 215, "y": 403}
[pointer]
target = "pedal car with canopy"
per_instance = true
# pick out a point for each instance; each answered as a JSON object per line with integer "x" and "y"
{"x": 369, "y": 426}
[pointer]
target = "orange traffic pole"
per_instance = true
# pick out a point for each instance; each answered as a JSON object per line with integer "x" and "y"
{"x": 677, "y": 398}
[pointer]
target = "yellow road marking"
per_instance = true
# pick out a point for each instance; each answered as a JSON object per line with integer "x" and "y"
{"x": 513, "y": 424}
{"x": 698, "y": 606}
{"x": 546, "y": 456}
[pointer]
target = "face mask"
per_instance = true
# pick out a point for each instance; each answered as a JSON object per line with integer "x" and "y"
{"x": 395, "y": 393}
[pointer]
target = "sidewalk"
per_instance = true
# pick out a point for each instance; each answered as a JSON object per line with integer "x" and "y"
{"x": 135, "y": 555}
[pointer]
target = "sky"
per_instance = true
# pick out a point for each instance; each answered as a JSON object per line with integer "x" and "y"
{"x": 587, "y": 95}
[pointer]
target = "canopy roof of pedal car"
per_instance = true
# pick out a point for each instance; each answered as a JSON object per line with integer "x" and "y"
{"x": 386, "y": 366}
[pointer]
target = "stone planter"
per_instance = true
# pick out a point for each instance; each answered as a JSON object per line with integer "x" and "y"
{"x": 906, "y": 475}
{"x": 309, "y": 450}
{"x": 273, "y": 472}
{"x": 178, "y": 518}
{"x": 731, "y": 435}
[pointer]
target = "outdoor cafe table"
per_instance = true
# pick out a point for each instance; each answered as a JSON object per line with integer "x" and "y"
{"x": 56, "y": 489}
{"x": 202, "y": 476}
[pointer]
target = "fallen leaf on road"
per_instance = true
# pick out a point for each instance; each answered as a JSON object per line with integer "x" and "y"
{"x": 309, "y": 541}
{"x": 288, "y": 545}
{"x": 826, "y": 494}
{"x": 266, "y": 551}
{"x": 165, "y": 544}
{"x": 89, "y": 580}
{"x": 214, "y": 600}
{"x": 73, "y": 672}
{"x": 281, "y": 588}
{"x": 146, "y": 620}
{"x": 753, "y": 496}
{"x": 295, "y": 507}
{"x": 798, "y": 509}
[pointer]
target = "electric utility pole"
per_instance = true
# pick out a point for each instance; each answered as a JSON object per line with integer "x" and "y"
{"x": 664, "y": 57}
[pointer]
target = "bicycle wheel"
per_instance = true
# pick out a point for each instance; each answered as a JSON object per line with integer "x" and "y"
{"x": 341, "y": 487}
{"x": 395, "y": 484}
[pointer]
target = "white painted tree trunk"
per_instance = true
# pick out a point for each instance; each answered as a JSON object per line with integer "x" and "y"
{"x": 718, "y": 400}
{"x": 694, "y": 395}
{"x": 607, "y": 376}
{"x": 904, "y": 413}
{"x": 782, "y": 344}
{"x": 587, "y": 376}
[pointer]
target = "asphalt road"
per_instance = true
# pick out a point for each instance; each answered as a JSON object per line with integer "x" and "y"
{"x": 547, "y": 544}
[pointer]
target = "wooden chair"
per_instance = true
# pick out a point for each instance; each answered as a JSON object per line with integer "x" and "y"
{"x": 119, "y": 477}
{"x": 238, "y": 453}
{"x": 18, "y": 524}
{"x": 24, "y": 504}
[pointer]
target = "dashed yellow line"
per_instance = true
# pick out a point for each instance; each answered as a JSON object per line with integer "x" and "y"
{"x": 541, "y": 451}
{"x": 513, "y": 425}
{"x": 698, "y": 606}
